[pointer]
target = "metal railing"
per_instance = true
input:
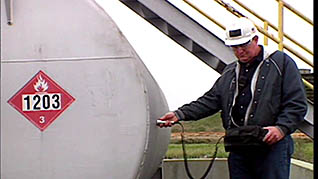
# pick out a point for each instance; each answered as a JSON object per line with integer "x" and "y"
{"x": 264, "y": 31}
{"x": 281, "y": 5}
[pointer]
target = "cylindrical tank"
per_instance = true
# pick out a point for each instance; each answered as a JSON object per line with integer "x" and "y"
{"x": 76, "y": 100}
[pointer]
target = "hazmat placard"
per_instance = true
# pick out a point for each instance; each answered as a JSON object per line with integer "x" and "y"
{"x": 41, "y": 100}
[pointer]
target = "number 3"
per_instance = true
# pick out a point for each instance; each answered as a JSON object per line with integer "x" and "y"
{"x": 42, "y": 119}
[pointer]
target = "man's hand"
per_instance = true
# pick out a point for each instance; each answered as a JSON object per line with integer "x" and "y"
{"x": 168, "y": 117}
{"x": 273, "y": 135}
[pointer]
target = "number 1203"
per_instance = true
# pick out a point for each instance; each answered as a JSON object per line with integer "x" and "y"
{"x": 41, "y": 102}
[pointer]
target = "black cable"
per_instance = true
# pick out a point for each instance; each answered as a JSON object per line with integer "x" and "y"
{"x": 185, "y": 155}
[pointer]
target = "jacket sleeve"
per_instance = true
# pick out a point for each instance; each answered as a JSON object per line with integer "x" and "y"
{"x": 293, "y": 104}
{"x": 204, "y": 106}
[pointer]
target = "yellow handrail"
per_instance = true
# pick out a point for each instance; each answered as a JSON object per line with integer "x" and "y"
{"x": 280, "y": 25}
{"x": 263, "y": 31}
{"x": 235, "y": 12}
{"x": 274, "y": 27}
{"x": 308, "y": 84}
{"x": 204, "y": 14}
{"x": 238, "y": 14}
{"x": 266, "y": 29}
{"x": 299, "y": 14}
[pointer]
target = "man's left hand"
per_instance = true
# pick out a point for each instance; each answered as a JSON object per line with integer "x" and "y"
{"x": 273, "y": 135}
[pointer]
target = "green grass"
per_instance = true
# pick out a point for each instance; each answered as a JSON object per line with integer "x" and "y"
{"x": 195, "y": 151}
{"x": 211, "y": 123}
{"x": 204, "y": 148}
{"x": 304, "y": 150}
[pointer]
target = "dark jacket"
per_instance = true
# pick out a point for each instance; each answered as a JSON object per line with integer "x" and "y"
{"x": 278, "y": 95}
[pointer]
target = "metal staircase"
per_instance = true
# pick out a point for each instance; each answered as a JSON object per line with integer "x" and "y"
{"x": 184, "y": 30}
{"x": 195, "y": 38}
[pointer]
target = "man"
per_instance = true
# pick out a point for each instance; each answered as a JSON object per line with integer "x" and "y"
{"x": 262, "y": 88}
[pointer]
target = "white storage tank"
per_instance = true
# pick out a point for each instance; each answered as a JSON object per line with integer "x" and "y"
{"x": 76, "y": 100}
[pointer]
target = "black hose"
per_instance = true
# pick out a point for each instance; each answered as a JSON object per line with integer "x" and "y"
{"x": 185, "y": 155}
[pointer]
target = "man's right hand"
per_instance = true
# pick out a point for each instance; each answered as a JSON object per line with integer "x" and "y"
{"x": 170, "y": 119}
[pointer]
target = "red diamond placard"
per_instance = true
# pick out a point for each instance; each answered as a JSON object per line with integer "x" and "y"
{"x": 41, "y": 100}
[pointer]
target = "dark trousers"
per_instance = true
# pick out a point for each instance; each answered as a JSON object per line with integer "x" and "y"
{"x": 270, "y": 164}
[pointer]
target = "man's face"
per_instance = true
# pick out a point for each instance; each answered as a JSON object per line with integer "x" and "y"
{"x": 247, "y": 51}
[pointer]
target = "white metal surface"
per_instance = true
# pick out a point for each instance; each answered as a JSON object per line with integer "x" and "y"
{"x": 110, "y": 130}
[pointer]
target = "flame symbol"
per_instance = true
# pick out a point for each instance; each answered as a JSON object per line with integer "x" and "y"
{"x": 40, "y": 85}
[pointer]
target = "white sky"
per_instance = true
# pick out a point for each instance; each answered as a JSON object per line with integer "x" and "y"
{"x": 181, "y": 76}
